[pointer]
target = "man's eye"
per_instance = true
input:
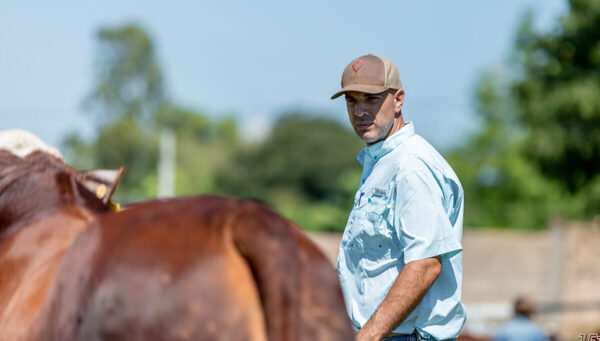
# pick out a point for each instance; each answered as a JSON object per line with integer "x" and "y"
{"x": 372, "y": 98}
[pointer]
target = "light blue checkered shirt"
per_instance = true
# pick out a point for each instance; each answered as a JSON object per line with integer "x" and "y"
{"x": 409, "y": 206}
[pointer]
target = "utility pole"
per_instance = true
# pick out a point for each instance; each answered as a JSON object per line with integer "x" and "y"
{"x": 166, "y": 164}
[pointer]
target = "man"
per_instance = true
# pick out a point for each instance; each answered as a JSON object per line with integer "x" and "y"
{"x": 521, "y": 327}
{"x": 400, "y": 260}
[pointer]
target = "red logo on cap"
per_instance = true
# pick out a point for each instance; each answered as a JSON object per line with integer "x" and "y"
{"x": 356, "y": 66}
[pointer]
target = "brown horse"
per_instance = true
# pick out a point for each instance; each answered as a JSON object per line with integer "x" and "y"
{"x": 204, "y": 268}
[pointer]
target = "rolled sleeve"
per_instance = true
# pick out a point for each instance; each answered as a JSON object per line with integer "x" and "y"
{"x": 421, "y": 222}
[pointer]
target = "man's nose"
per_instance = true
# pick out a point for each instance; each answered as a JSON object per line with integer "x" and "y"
{"x": 361, "y": 110}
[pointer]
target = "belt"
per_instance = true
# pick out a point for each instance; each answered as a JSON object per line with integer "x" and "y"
{"x": 403, "y": 337}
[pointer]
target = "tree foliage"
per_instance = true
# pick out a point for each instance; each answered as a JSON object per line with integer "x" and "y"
{"x": 129, "y": 101}
{"x": 557, "y": 95}
{"x": 204, "y": 146}
{"x": 303, "y": 153}
{"x": 129, "y": 81}
{"x": 538, "y": 153}
{"x": 503, "y": 188}
{"x": 306, "y": 168}
{"x": 127, "y": 96}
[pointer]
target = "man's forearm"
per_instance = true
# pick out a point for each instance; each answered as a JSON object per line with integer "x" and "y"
{"x": 406, "y": 293}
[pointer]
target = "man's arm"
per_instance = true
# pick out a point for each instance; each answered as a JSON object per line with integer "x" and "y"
{"x": 407, "y": 291}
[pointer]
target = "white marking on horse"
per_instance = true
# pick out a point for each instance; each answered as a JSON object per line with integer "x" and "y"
{"x": 22, "y": 143}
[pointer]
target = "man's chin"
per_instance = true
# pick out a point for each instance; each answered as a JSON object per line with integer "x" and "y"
{"x": 369, "y": 138}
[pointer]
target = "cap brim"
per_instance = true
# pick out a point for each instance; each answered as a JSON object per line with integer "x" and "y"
{"x": 366, "y": 88}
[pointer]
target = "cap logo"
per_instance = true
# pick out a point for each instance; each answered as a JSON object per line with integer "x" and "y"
{"x": 356, "y": 66}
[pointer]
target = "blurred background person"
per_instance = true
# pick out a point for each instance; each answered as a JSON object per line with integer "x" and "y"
{"x": 521, "y": 327}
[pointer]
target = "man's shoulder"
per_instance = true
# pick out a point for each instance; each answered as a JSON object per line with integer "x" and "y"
{"x": 421, "y": 148}
{"x": 401, "y": 162}
{"x": 417, "y": 157}
{"x": 416, "y": 154}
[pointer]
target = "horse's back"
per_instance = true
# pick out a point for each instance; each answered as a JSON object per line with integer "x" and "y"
{"x": 158, "y": 271}
{"x": 195, "y": 269}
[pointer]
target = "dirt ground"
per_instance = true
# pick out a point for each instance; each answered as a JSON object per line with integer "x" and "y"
{"x": 558, "y": 268}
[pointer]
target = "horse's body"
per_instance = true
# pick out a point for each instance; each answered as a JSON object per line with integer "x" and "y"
{"x": 205, "y": 268}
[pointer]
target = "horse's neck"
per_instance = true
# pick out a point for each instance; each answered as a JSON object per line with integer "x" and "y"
{"x": 54, "y": 230}
{"x": 40, "y": 194}
{"x": 30, "y": 256}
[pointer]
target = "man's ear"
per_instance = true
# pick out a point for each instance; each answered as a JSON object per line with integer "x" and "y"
{"x": 398, "y": 100}
{"x": 101, "y": 182}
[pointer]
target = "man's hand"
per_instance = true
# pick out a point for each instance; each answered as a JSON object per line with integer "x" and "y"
{"x": 407, "y": 291}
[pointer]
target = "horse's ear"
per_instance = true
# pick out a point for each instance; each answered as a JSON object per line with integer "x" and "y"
{"x": 102, "y": 182}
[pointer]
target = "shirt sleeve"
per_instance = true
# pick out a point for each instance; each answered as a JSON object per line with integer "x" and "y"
{"x": 421, "y": 222}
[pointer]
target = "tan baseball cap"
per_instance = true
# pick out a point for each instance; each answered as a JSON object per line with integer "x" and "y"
{"x": 369, "y": 74}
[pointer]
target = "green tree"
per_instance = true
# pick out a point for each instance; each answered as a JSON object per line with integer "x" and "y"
{"x": 538, "y": 153}
{"x": 558, "y": 103}
{"x": 128, "y": 78}
{"x": 129, "y": 101}
{"x": 306, "y": 168}
{"x": 204, "y": 146}
{"x": 127, "y": 96}
{"x": 503, "y": 188}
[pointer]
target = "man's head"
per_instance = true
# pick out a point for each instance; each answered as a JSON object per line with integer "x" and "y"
{"x": 524, "y": 306}
{"x": 374, "y": 97}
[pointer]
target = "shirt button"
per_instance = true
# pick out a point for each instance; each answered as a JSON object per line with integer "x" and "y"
{"x": 369, "y": 200}
{"x": 363, "y": 181}
{"x": 375, "y": 157}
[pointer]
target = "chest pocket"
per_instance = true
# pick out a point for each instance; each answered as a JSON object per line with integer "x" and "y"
{"x": 375, "y": 232}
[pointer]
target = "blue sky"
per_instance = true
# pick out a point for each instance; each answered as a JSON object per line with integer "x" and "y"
{"x": 257, "y": 59}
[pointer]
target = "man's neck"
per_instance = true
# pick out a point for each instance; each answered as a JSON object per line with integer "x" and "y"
{"x": 395, "y": 127}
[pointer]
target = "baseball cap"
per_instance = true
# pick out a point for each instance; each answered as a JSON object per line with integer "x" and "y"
{"x": 369, "y": 74}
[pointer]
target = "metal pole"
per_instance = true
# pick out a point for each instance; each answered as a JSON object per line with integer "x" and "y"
{"x": 166, "y": 164}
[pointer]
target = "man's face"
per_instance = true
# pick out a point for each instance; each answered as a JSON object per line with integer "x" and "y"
{"x": 374, "y": 117}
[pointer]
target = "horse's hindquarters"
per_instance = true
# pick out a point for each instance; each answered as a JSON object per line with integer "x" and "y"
{"x": 162, "y": 281}
{"x": 196, "y": 269}
{"x": 214, "y": 300}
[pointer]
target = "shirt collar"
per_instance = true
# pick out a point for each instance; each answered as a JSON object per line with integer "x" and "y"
{"x": 378, "y": 150}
